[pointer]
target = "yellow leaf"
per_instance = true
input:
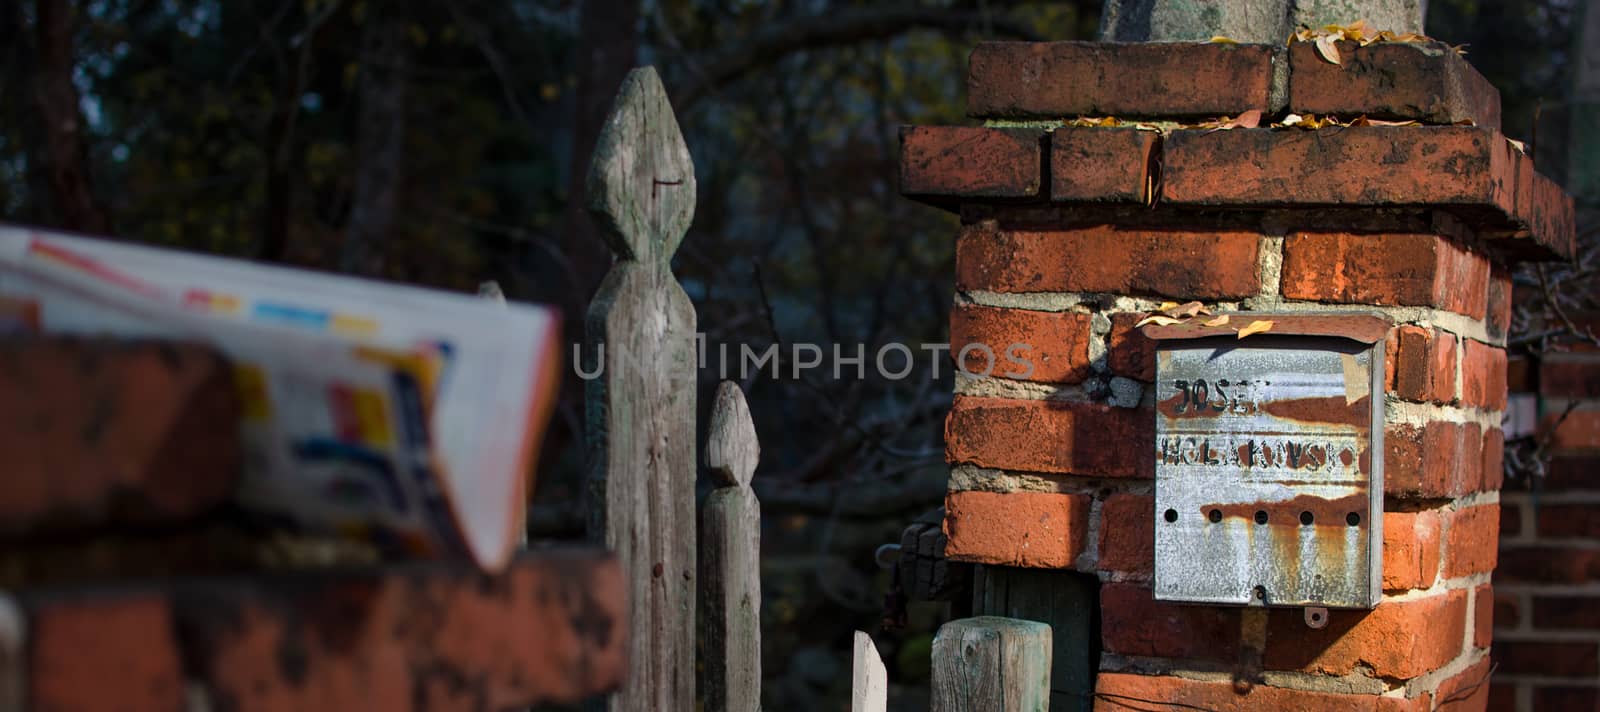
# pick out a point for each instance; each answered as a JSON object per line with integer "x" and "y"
{"x": 1158, "y": 320}
{"x": 1327, "y": 49}
{"x": 1219, "y": 321}
{"x": 1256, "y": 327}
{"x": 1186, "y": 310}
{"x": 1166, "y": 305}
{"x": 1219, "y": 39}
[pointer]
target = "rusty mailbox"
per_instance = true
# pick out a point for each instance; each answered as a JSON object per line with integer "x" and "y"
{"x": 1269, "y": 476}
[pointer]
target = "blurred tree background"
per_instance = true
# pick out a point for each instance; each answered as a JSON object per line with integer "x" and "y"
{"x": 440, "y": 142}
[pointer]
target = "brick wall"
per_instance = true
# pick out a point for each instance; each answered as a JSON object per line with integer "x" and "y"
{"x": 1547, "y": 588}
{"x": 1071, "y": 233}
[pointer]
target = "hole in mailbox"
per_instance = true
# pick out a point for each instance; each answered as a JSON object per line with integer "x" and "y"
{"x": 1268, "y": 436}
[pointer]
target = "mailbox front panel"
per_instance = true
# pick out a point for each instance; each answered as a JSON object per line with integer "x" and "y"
{"x": 1269, "y": 484}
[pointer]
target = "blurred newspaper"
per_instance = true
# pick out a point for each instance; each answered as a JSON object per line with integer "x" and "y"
{"x": 402, "y": 416}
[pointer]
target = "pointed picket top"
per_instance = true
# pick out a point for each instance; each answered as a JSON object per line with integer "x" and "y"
{"x": 732, "y": 450}
{"x": 641, "y": 181}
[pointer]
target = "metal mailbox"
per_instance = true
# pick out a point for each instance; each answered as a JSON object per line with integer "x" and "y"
{"x": 1269, "y": 467}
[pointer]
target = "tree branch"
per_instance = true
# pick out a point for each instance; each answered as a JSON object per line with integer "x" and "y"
{"x": 833, "y": 30}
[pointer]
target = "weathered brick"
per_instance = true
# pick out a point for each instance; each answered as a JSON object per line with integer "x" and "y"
{"x": 1410, "y": 549}
{"x": 1399, "y": 638}
{"x": 1483, "y": 375}
{"x": 1391, "y": 269}
{"x": 1570, "y": 375}
{"x": 1437, "y": 459}
{"x": 1169, "y": 263}
{"x": 1547, "y": 564}
{"x": 1568, "y": 521}
{"x": 1578, "y": 430}
{"x": 1422, "y": 364}
{"x": 1141, "y": 79}
{"x": 1425, "y": 81}
{"x": 1466, "y": 690}
{"x": 1050, "y": 346}
{"x": 944, "y": 163}
{"x": 1497, "y": 319}
{"x": 1566, "y": 612}
{"x": 1129, "y": 352}
{"x": 1101, "y": 165}
{"x": 1472, "y": 538}
{"x": 1028, "y": 529}
{"x": 102, "y": 431}
{"x": 1127, "y": 533}
{"x": 1545, "y": 658}
{"x": 1483, "y": 616}
{"x": 1118, "y": 692}
{"x": 1494, "y": 453}
{"x": 1132, "y": 622}
{"x": 1471, "y": 170}
{"x": 102, "y": 652}
{"x": 1050, "y": 436}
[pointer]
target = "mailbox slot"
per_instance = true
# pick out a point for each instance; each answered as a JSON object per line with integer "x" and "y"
{"x": 1269, "y": 461}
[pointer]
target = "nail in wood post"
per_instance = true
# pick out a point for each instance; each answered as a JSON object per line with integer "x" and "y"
{"x": 869, "y": 682}
{"x": 641, "y": 410}
{"x": 730, "y": 546}
{"x": 991, "y": 664}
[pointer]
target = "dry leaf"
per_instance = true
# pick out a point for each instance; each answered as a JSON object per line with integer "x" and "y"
{"x": 1219, "y": 39}
{"x": 1520, "y": 146}
{"x": 1219, "y": 321}
{"x": 1186, "y": 310}
{"x": 1255, "y": 327}
{"x": 1291, "y": 120}
{"x": 1164, "y": 306}
{"x": 1248, "y": 120}
{"x": 1158, "y": 320}
{"x": 1327, "y": 49}
{"x": 1380, "y": 122}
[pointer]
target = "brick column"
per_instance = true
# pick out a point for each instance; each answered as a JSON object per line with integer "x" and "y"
{"x": 1070, "y": 234}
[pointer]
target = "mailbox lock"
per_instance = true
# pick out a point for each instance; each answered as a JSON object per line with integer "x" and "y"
{"x": 1316, "y": 617}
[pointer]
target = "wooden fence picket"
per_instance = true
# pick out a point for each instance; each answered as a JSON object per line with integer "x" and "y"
{"x": 730, "y": 547}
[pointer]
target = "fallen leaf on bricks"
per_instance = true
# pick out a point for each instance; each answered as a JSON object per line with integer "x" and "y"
{"x": 1164, "y": 306}
{"x": 1327, "y": 49}
{"x": 1186, "y": 310}
{"x": 1158, "y": 320}
{"x": 1219, "y": 321}
{"x": 1219, "y": 39}
{"x": 1256, "y": 327}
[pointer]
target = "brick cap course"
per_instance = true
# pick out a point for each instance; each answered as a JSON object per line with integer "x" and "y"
{"x": 1423, "y": 81}
{"x": 410, "y": 638}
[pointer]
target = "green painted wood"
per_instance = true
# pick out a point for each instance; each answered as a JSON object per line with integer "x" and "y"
{"x": 730, "y": 569}
{"x": 991, "y": 664}
{"x": 1065, "y": 600}
{"x": 640, "y": 412}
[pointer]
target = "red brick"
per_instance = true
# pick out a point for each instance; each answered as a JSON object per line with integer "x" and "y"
{"x": 1510, "y": 519}
{"x": 1483, "y": 375}
{"x": 1565, "y": 698}
{"x": 1483, "y": 603}
{"x": 1578, "y": 430}
{"x": 1473, "y": 170}
{"x": 1127, "y": 533}
{"x": 1065, "y": 79}
{"x": 1130, "y": 353}
{"x": 1410, "y": 549}
{"x": 1120, "y": 692}
{"x": 1507, "y": 613}
{"x": 1568, "y": 520}
{"x": 1056, "y": 344}
{"x": 553, "y": 628}
{"x": 1422, "y": 364}
{"x": 1545, "y": 658}
{"x": 1494, "y": 453}
{"x": 1570, "y": 376}
{"x": 1466, "y": 690}
{"x": 1472, "y": 540}
{"x": 1427, "y": 82}
{"x": 100, "y": 431}
{"x": 1051, "y": 436}
{"x": 1399, "y": 639}
{"x": 1566, "y": 612}
{"x": 1391, "y": 269}
{"x": 970, "y": 162}
{"x": 1029, "y": 529}
{"x": 1438, "y": 459}
{"x": 1548, "y": 564}
{"x": 1519, "y": 378}
{"x": 1132, "y": 622}
{"x": 1101, "y": 164}
{"x": 1169, "y": 263}
{"x": 104, "y": 652}
{"x": 1498, "y": 314}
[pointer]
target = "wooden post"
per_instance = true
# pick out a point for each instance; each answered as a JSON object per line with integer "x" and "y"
{"x": 730, "y": 542}
{"x": 869, "y": 682}
{"x": 991, "y": 664}
{"x": 640, "y": 410}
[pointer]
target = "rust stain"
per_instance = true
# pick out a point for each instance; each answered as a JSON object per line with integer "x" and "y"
{"x": 1286, "y": 513}
{"x": 1328, "y": 410}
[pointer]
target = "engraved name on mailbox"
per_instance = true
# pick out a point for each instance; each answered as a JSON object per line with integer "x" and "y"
{"x": 1269, "y": 489}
